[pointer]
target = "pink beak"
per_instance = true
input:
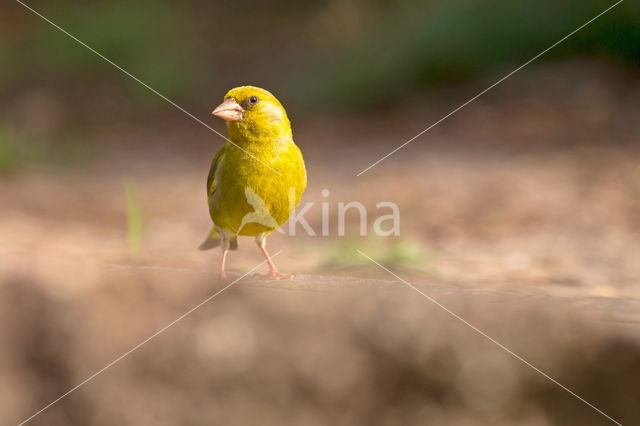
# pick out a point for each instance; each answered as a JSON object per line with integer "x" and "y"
{"x": 229, "y": 110}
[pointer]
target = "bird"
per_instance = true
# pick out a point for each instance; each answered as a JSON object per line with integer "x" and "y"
{"x": 256, "y": 178}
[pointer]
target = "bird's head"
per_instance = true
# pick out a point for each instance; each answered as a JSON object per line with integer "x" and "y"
{"x": 253, "y": 113}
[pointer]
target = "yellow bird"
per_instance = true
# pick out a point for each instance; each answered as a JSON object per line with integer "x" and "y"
{"x": 257, "y": 178}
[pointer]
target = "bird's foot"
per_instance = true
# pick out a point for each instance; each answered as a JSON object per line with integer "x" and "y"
{"x": 223, "y": 277}
{"x": 274, "y": 275}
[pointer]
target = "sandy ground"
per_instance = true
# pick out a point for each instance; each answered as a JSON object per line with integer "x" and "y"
{"x": 561, "y": 222}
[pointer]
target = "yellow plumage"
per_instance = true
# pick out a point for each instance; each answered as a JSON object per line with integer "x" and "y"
{"x": 255, "y": 182}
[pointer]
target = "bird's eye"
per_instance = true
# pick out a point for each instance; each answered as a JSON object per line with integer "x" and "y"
{"x": 253, "y": 100}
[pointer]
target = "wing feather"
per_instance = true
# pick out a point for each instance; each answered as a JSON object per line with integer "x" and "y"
{"x": 211, "y": 179}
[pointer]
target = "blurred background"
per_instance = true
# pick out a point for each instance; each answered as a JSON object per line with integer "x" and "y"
{"x": 524, "y": 206}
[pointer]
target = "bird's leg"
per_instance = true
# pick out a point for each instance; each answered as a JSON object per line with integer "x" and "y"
{"x": 261, "y": 240}
{"x": 221, "y": 273}
{"x": 273, "y": 271}
{"x": 226, "y": 244}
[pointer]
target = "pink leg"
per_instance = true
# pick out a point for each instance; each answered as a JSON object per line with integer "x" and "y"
{"x": 273, "y": 271}
{"x": 222, "y": 273}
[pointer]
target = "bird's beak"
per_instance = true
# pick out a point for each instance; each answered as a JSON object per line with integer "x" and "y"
{"x": 229, "y": 110}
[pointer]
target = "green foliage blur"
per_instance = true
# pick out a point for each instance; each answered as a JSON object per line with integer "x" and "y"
{"x": 338, "y": 53}
{"x": 404, "y": 45}
{"x": 138, "y": 35}
{"x": 19, "y": 152}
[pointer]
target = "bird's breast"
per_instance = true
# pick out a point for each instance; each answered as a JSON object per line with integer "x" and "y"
{"x": 256, "y": 190}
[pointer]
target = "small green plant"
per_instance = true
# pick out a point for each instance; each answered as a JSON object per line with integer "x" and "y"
{"x": 399, "y": 254}
{"x": 406, "y": 254}
{"x": 134, "y": 219}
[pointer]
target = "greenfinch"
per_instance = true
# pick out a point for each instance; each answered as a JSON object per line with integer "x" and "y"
{"x": 256, "y": 178}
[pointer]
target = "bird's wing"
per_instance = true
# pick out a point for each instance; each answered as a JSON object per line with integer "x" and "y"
{"x": 211, "y": 179}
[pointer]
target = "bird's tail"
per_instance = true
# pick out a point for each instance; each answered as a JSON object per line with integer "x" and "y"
{"x": 214, "y": 239}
